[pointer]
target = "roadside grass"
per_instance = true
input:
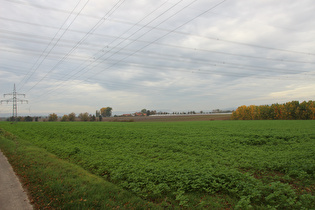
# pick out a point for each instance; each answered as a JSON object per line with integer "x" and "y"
{"x": 53, "y": 183}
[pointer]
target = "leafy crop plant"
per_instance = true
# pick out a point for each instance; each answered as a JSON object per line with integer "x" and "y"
{"x": 209, "y": 164}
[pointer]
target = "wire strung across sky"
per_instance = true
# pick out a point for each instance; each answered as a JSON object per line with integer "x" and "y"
{"x": 233, "y": 65}
{"x": 45, "y": 54}
{"x": 159, "y": 43}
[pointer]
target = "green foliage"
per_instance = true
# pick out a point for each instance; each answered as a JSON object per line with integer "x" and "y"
{"x": 52, "y": 117}
{"x": 84, "y": 116}
{"x": 28, "y": 119}
{"x": 92, "y": 118}
{"x": 106, "y": 111}
{"x": 65, "y": 118}
{"x": 57, "y": 184}
{"x": 97, "y": 113}
{"x": 72, "y": 116}
{"x": 258, "y": 163}
{"x": 288, "y": 111}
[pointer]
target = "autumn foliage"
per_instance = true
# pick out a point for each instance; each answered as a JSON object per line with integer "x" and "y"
{"x": 293, "y": 110}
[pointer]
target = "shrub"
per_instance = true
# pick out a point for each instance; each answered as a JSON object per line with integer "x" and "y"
{"x": 52, "y": 117}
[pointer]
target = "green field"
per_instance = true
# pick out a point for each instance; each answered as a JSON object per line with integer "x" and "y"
{"x": 209, "y": 164}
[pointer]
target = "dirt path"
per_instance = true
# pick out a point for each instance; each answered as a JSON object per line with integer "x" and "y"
{"x": 12, "y": 195}
{"x": 170, "y": 118}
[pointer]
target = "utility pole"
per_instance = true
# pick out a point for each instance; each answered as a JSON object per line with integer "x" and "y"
{"x": 14, "y": 100}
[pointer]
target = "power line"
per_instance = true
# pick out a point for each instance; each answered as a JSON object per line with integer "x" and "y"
{"x": 27, "y": 37}
{"x": 149, "y": 31}
{"x": 178, "y": 32}
{"x": 116, "y": 6}
{"x": 174, "y": 14}
{"x": 177, "y": 46}
{"x": 123, "y": 51}
{"x": 189, "y": 60}
{"x": 116, "y": 20}
{"x": 124, "y": 39}
{"x": 168, "y": 33}
{"x": 164, "y": 34}
{"x": 168, "y": 56}
{"x": 30, "y": 73}
{"x": 60, "y": 36}
{"x": 215, "y": 63}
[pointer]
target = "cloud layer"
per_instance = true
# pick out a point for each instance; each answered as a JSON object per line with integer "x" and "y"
{"x": 176, "y": 55}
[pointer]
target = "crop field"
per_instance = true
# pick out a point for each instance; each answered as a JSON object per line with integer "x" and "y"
{"x": 197, "y": 164}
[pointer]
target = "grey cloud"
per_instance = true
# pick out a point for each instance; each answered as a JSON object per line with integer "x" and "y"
{"x": 134, "y": 53}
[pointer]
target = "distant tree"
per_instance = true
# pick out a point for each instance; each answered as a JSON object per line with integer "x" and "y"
{"x": 305, "y": 110}
{"x": 28, "y": 119}
{"x": 84, "y": 116}
{"x": 292, "y": 110}
{"x": 144, "y": 111}
{"x": 106, "y": 111}
{"x": 92, "y": 118}
{"x": 65, "y": 118}
{"x": 216, "y": 111}
{"x": 97, "y": 113}
{"x": 289, "y": 111}
{"x": 72, "y": 116}
{"x": 11, "y": 119}
{"x": 52, "y": 117}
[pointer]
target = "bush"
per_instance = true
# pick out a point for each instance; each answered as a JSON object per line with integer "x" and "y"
{"x": 72, "y": 116}
{"x": 84, "y": 116}
{"x": 288, "y": 111}
{"x": 28, "y": 119}
{"x": 65, "y": 118}
{"x": 52, "y": 117}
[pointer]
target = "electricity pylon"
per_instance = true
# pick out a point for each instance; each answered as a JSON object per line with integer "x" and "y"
{"x": 14, "y": 100}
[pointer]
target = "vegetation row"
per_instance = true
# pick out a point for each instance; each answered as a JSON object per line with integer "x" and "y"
{"x": 293, "y": 110}
{"x": 213, "y": 164}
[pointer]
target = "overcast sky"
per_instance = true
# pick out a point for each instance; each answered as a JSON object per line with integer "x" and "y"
{"x": 175, "y": 55}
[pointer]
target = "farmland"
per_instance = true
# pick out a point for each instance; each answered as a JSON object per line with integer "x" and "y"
{"x": 200, "y": 164}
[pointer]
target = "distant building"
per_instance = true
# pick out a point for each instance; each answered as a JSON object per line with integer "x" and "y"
{"x": 139, "y": 114}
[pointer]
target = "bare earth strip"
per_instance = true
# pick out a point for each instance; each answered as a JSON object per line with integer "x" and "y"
{"x": 170, "y": 118}
{"x": 12, "y": 195}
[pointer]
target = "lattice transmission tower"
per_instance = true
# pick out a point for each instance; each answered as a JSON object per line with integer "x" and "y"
{"x": 14, "y": 100}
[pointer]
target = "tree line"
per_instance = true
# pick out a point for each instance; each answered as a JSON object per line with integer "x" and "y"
{"x": 293, "y": 110}
{"x": 23, "y": 119}
{"x": 99, "y": 114}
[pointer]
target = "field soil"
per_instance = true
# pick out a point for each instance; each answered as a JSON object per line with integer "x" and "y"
{"x": 170, "y": 118}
